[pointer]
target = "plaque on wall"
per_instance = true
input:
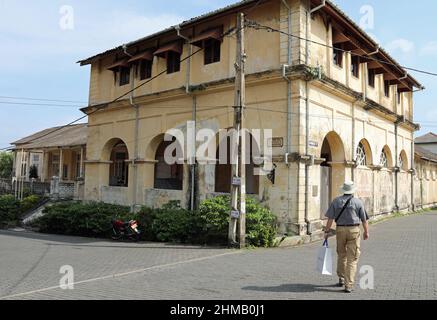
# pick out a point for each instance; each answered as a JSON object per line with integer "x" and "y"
{"x": 276, "y": 142}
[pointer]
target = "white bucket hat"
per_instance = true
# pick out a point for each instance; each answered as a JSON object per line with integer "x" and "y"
{"x": 348, "y": 188}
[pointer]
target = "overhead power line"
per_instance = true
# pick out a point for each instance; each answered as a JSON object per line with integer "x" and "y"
{"x": 39, "y": 99}
{"x": 258, "y": 26}
{"x": 38, "y": 104}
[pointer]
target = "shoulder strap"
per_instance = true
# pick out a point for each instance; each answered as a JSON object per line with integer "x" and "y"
{"x": 344, "y": 208}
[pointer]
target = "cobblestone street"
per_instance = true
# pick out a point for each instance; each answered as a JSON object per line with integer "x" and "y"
{"x": 402, "y": 251}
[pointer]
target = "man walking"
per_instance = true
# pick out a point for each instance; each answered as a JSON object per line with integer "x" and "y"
{"x": 348, "y": 213}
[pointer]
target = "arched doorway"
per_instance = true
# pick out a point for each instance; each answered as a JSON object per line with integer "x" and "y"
{"x": 117, "y": 153}
{"x": 332, "y": 170}
{"x": 223, "y": 171}
{"x": 168, "y": 176}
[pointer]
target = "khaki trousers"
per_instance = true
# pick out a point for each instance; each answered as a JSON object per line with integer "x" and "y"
{"x": 348, "y": 250}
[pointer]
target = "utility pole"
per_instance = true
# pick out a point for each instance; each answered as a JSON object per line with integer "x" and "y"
{"x": 238, "y": 183}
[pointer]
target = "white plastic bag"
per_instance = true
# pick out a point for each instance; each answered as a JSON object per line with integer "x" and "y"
{"x": 324, "y": 260}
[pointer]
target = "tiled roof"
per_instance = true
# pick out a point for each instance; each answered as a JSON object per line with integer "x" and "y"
{"x": 69, "y": 136}
{"x": 427, "y": 138}
{"x": 425, "y": 154}
{"x": 182, "y": 24}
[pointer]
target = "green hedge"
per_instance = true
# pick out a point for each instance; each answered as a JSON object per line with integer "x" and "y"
{"x": 12, "y": 210}
{"x": 261, "y": 223}
{"x": 208, "y": 225}
{"x": 74, "y": 218}
{"x": 9, "y": 210}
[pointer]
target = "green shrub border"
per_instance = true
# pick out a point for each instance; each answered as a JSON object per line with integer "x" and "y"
{"x": 171, "y": 223}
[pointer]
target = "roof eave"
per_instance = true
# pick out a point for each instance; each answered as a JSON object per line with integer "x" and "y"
{"x": 333, "y": 7}
{"x": 184, "y": 24}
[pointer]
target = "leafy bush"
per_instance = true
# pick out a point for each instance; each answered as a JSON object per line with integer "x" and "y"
{"x": 29, "y": 203}
{"x": 169, "y": 224}
{"x": 6, "y": 164}
{"x": 215, "y": 214}
{"x": 261, "y": 225}
{"x": 174, "y": 224}
{"x": 9, "y": 210}
{"x": 73, "y": 218}
{"x": 260, "y": 222}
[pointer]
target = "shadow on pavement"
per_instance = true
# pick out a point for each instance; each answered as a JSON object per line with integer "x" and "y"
{"x": 296, "y": 288}
{"x": 61, "y": 240}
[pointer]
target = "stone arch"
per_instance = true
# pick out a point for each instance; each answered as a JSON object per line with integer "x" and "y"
{"x": 368, "y": 156}
{"x": 332, "y": 169}
{"x": 116, "y": 152}
{"x": 223, "y": 171}
{"x": 166, "y": 175}
{"x": 105, "y": 154}
{"x": 333, "y": 148}
{"x": 388, "y": 154}
{"x": 403, "y": 161}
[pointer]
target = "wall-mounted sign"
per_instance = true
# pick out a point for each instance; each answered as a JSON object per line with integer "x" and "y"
{"x": 235, "y": 214}
{"x": 313, "y": 144}
{"x": 276, "y": 142}
{"x": 236, "y": 181}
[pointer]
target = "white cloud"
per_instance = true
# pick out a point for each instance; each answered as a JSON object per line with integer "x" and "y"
{"x": 403, "y": 46}
{"x": 34, "y": 39}
{"x": 429, "y": 49}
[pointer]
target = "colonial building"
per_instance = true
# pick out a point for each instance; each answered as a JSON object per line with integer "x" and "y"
{"x": 339, "y": 106}
{"x": 426, "y": 169}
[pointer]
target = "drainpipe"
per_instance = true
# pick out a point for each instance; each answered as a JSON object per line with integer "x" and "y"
{"x": 397, "y": 167}
{"x": 178, "y": 31}
{"x": 413, "y": 172}
{"x": 307, "y": 117}
{"x": 374, "y": 52}
{"x": 136, "y": 134}
{"x": 194, "y": 116}
{"x": 307, "y": 165}
{"x": 289, "y": 102}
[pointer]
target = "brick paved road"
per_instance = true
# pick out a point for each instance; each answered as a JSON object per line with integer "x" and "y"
{"x": 403, "y": 252}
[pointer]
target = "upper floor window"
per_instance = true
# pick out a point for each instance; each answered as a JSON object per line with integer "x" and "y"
{"x": 361, "y": 155}
{"x": 399, "y": 97}
{"x": 124, "y": 75}
{"x": 372, "y": 77}
{"x": 338, "y": 55}
{"x": 212, "y": 51}
{"x": 145, "y": 69}
{"x": 210, "y": 40}
{"x": 355, "y": 66}
{"x": 173, "y": 62}
{"x": 383, "y": 159}
{"x": 387, "y": 88}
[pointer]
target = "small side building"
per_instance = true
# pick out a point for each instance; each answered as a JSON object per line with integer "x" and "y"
{"x": 425, "y": 158}
{"x": 57, "y": 156}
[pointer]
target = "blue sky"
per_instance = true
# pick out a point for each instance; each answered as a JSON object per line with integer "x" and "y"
{"x": 38, "y": 57}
